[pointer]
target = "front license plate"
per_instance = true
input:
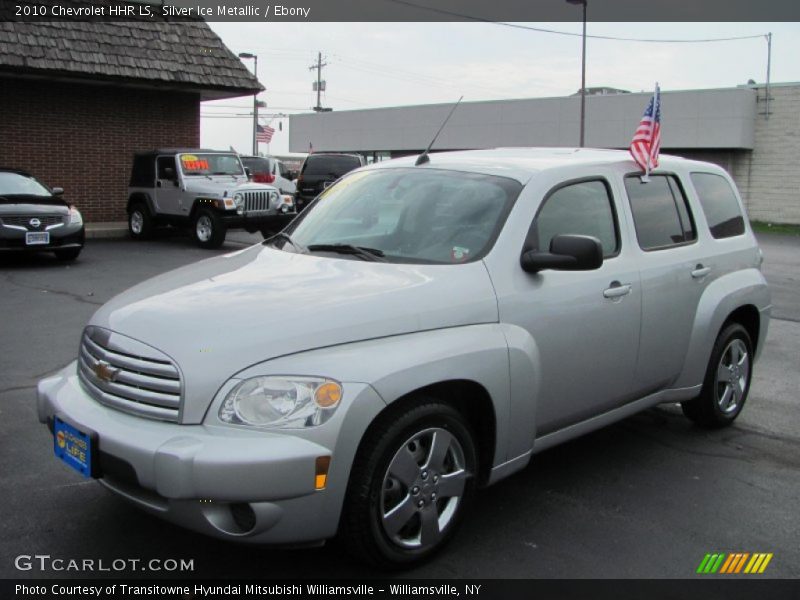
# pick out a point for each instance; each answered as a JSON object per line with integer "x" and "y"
{"x": 73, "y": 446}
{"x": 33, "y": 238}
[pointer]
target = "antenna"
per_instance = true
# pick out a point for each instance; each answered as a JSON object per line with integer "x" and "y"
{"x": 423, "y": 158}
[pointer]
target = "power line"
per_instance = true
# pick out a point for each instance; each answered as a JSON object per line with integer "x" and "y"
{"x": 569, "y": 33}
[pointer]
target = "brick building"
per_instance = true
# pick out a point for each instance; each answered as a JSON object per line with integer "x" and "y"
{"x": 728, "y": 126}
{"x": 77, "y": 99}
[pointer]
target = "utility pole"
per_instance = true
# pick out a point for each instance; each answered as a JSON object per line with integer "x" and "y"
{"x": 319, "y": 85}
{"x": 769, "y": 64}
{"x": 249, "y": 55}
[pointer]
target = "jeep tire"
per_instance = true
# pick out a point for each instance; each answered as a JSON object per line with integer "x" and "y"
{"x": 140, "y": 223}
{"x": 208, "y": 229}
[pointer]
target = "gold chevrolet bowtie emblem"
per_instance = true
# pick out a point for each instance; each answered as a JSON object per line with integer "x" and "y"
{"x": 105, "y": 371}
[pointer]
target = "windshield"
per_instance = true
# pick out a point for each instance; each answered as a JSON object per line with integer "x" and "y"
{"x": 210, "y": 164}
{"x": 14, "y": 183}
{"x": 407, "y": 215}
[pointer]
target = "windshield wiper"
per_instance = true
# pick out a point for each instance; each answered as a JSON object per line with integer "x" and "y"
{"x": 372, "y": 254}
{"x": 299, "y": 247}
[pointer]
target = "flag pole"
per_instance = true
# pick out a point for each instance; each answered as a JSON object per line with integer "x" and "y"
{"x": 656, "y": 106}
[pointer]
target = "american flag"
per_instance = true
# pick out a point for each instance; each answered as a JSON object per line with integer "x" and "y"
{"x": 264, "y": 134}
{"x": 646, "y": 141}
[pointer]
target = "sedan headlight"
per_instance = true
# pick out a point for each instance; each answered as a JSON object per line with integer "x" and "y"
{"x": 281, "y": 402}
{"x": 75, "y": 217}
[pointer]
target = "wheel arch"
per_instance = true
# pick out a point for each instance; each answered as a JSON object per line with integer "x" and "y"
{"x": 140, "y": 197}
{"x": 741, "y": 296}
{"x": 470, "y": 398}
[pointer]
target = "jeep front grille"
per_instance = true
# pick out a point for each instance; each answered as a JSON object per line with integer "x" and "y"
{"x": 130, "y": 376}
{"x": 257, "y": 202}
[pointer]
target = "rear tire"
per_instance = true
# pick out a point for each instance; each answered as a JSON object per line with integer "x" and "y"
{"x": 140, "y": 223}
{"x": 67, "y": 254}
{"x": 727, "y": 380}
{"x": 208, "y": 229}
{"x": 412, "y": 480}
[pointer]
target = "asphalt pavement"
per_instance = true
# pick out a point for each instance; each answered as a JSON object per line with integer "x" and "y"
{"x": 647, "y": 497}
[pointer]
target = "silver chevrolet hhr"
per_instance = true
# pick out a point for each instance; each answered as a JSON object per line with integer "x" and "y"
{"x": 419, "y": 332}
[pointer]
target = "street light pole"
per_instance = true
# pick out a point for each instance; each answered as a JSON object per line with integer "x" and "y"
{"x": 583, "y": 73}
{"x": 255, "y": 100}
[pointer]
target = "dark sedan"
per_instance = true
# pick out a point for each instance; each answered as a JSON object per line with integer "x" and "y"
{"x": 34, "y": 217}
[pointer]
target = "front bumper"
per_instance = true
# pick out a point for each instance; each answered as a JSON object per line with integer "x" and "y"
{"x": 252, "y": 223}
{"x": 62, "y": 237}
{"x": 227, "y": 482}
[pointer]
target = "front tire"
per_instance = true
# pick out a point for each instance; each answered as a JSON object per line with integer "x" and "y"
{"x": 727, "y": 380}
{"x": 208, "y": 229}
{"x": 140, "y": 223}
{"x": 411, "y": 483}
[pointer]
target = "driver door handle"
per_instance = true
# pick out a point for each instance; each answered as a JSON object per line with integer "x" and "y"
{"x": 700, "y": 271}
{"x": 617, "y": 290}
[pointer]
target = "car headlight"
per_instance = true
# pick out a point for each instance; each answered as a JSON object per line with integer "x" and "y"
{"x": 281, "y": 402}
{"x": 238, "y": 200}
{"x": 274, "y": 199}
{"x": 75, "y": 217}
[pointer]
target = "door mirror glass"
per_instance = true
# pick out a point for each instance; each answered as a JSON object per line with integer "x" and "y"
{"x": 568, "y": 252}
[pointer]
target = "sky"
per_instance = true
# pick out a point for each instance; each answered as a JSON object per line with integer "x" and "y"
{"x": 373, "y": 65}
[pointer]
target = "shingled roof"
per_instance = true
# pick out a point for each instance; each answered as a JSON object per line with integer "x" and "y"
{"x": 184, "y": 55}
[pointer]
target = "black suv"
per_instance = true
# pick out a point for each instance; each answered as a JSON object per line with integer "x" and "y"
{"x": 34, "y": 217}
{"x": 319, "y": 171}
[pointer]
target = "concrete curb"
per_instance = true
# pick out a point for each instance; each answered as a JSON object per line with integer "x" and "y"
{"x": 107, "y": 230}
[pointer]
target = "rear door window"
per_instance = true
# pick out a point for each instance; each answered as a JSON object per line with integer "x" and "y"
{"x": 720, "y": 205}
{"x": 660, "y": 212}
{"x": 582, "y": 208}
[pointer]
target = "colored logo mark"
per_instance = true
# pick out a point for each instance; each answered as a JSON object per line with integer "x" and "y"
{"x": 736, "y": 562}
{"x": 60, "y": 439}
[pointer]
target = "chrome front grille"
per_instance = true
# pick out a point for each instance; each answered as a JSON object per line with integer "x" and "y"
{"x": 130, "y": 376}
{"x": 257, "y": 202}
{"x": 25, "y": 220}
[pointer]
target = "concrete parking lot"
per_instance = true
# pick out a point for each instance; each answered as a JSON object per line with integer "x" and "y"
{"x": 647, "y": 497}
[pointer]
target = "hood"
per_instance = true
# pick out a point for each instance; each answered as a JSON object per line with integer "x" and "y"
{"x": 219, "y": 316}
{"x": 218, "y": 186}
{"x": 26, "y": 203}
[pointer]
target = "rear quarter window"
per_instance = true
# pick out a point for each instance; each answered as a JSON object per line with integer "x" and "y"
{"x": 720, "y": 206}
{"x": 660, "y": 212}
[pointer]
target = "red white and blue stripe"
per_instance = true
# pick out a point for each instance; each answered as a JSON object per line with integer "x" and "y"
{"x": 646, "y": 142}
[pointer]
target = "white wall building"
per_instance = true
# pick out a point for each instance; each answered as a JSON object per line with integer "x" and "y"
{"x": 726, "y": 126}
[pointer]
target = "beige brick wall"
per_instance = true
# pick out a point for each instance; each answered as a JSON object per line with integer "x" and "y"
{"x": 769, "y": 176}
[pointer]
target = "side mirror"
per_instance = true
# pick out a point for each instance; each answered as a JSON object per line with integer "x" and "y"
{"x": 57, "y": 191}
{"x": 248, "y": 172}
{"x": 567, "y": 253}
